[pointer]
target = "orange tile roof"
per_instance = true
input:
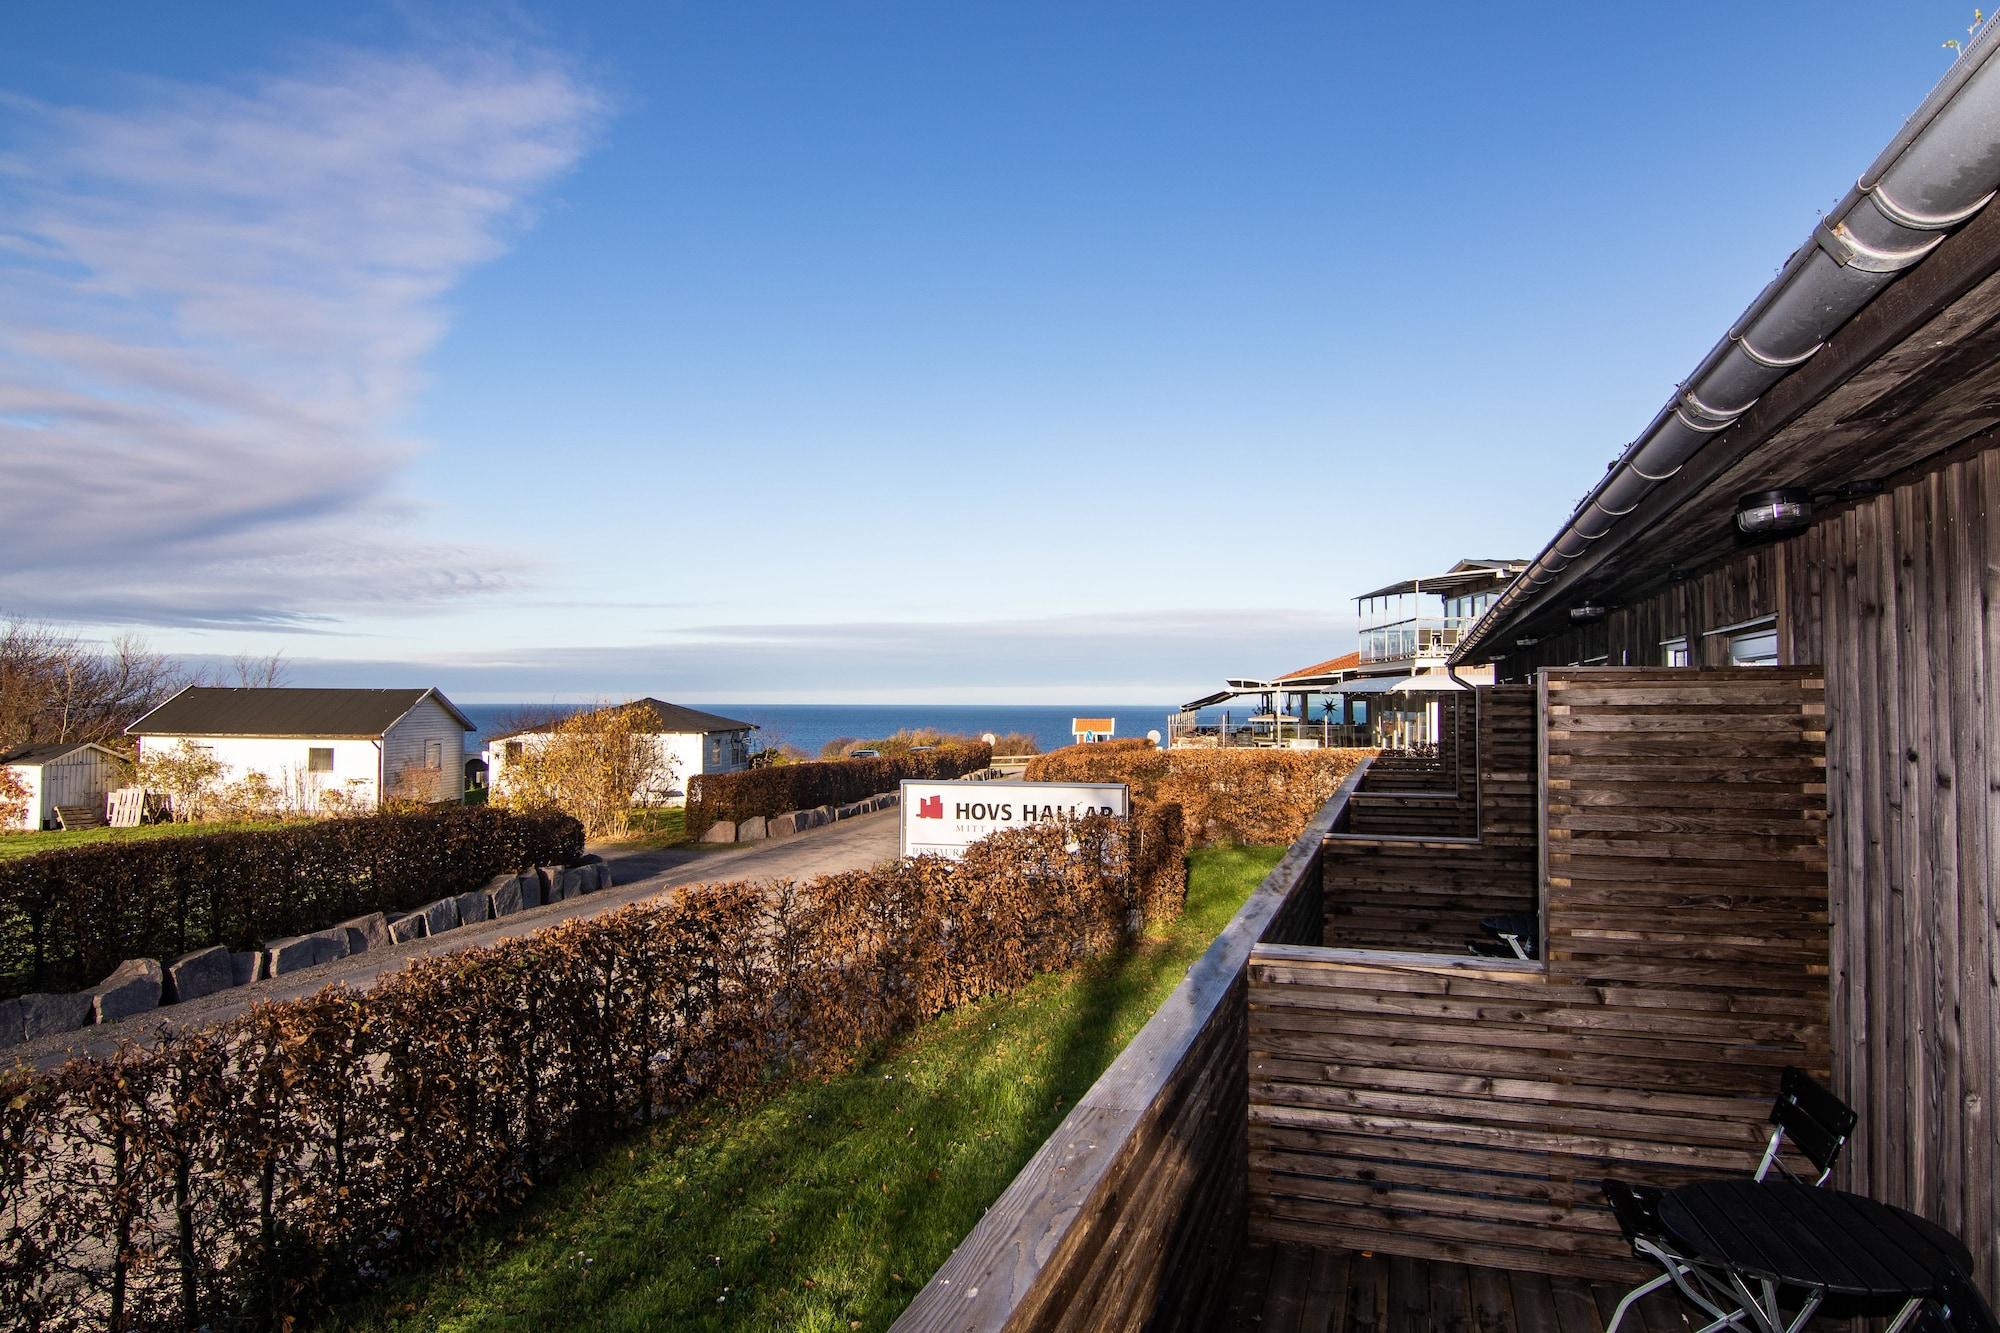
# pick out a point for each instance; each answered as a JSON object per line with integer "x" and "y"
{"x": 1079, "y": 724}
{"x": 1341, "y": 663}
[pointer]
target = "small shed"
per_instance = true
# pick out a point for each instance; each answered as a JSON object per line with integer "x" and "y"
{"x": 1089, "y": 729}
{"x": 67, "y": 773}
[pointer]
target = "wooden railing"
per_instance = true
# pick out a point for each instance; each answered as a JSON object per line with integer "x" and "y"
{"x": 1133, "y": 1212}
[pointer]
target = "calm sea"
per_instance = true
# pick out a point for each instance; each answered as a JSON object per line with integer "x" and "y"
{"x": 810, "y": 726}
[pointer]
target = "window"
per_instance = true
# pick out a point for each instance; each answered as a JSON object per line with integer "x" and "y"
{"x": 1754, "y": 647}
{"x": 715, "y": 751}
{"x": 433, "y": 754}
{"x": 1674, "y": 652}
{"x": 512, "y": 750}
{"x": 319, "y": 759}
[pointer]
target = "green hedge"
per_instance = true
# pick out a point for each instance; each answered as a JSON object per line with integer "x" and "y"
{"x": 718, "y": 797}
{"x": 68, "y": 917}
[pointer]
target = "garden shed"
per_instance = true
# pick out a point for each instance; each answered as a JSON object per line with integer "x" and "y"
{"x": 68, "y": 773}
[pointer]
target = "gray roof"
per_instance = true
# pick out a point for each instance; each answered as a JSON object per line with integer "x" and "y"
{"x": 34, "y": 756}
{"x": 213, "y": 710}
{"x": 666, "y": 720}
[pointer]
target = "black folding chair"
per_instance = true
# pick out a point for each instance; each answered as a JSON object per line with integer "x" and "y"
{"x": 1814, "y": 1121}
{"x": 1957, "y": 1308}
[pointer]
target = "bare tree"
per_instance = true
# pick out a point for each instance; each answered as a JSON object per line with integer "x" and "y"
{"x": 261, "y": 672}
{"x": 57, "y": 686}
{"x": 594, "y": 765}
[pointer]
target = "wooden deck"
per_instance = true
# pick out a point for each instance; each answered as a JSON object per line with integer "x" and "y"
{"x": 1292, "y": 1289}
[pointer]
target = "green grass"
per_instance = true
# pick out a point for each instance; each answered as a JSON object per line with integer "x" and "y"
{"x": 27, "y": 844}
{"x": 664, "y": 827}
{"x": 828, "y": 1205}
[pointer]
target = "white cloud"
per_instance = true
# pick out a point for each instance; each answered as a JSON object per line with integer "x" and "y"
{"x": 217, "y": 303}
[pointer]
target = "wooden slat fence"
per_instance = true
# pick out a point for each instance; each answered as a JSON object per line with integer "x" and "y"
{"x": 1428, "y": 888}
{"x": 1464, "y": 1109}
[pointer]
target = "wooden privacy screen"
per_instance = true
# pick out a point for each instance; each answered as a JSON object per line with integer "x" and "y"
{"x": 1465, "y": 1109}
{"x": 1428, "y": 890}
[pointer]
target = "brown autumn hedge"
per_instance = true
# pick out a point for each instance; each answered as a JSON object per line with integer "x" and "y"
{"x": 733, "y": 797}
{"x": 1235, "y": 795}
{"x": 242, "y": 1175}
{"x": 69, "y": 916}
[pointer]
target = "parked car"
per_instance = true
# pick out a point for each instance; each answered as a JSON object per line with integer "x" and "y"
{"x": 864, "y": 754}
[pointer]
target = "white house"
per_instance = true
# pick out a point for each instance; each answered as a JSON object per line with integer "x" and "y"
{"x": 689, "y": 742}
{"x": 64, "y": 773}
{"x": 405, "y": 743}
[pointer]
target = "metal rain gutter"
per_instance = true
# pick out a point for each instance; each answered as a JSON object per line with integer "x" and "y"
{"x": 1939, "y": 171}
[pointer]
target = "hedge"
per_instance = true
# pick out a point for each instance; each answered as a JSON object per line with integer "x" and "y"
{"x": 244, "y": 1174}
{"x": 69, "y": 916}
{"x": 732, "y": 797}
{"x": 1235, "y": 795}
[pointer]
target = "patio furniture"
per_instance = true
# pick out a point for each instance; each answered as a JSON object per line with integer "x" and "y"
{"x": 1518, "y": 933}
{"x": 1783, "y": 1243}
{"x": 1805, "y": 1114}
{"x": 1957, "y": 1308}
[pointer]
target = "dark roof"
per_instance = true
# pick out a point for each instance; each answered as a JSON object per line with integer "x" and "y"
{"x": 1464, "y": 574}
{"x": 667, "y": 720}
{"x": 35, "y": 755}
{"x": 210, "y": 710}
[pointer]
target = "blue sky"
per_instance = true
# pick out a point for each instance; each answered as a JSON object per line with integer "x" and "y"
{"x": 863, "y": 352}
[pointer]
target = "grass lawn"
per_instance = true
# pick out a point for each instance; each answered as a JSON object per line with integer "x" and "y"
{"x": 665, "y": 827}
{"x": 828, "y": 1205}
{"x": 27, "y": 844}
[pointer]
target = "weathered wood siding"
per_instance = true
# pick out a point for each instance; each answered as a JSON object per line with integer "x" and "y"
{"x": 1131, "y": 1215}
{"x": 406, "y": 767}
{"x": 1428, "y": 887}
{"x": 1458, "y": 1108}
{"x": 1899, "y": 598}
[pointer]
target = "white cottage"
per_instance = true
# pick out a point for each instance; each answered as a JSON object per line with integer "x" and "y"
{"x": 70, "y": 773}
{"x": 689, "y": 741}
{"x": 405, "y": 743}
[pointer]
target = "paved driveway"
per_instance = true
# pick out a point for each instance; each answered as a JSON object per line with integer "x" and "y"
{"x": 851, "y": 844}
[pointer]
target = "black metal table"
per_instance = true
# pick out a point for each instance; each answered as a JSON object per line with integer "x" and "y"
{"x": 1785, "y": 1240}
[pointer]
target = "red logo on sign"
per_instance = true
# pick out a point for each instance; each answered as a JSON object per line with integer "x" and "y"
{"x": 930, "y": 807}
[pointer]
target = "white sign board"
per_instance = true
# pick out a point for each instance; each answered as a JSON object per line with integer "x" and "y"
{"x": 944, "y": 818}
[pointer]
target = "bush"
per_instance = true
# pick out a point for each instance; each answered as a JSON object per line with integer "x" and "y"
{"x": 68, "y": 917}
{"x": 1252, "y": 796}
{"x": 731, "y": 797}
{"x": 257, "y": 1170}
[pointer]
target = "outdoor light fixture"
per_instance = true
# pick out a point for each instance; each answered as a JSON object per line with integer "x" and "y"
{"x": 1526, "y": 643}
{"x": 1772, "y": 513}
{"x": 1585, "y": 612}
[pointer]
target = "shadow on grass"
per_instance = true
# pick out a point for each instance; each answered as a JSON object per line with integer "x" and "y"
{"x": 828, "y": 1204}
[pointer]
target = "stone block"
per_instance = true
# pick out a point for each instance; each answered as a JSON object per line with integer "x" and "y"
{"x": 851, "y": 809}
{"x": 203, "y": 972}
{"x": 531, "y": 889}
{"x": 604, "y": 879}
{"x": 367, "y": 932}
{"x": 439, "y": 916}
{"x": 577, "y": 881}
{"x": 780, "y": 825}
{"x": 823, "y": 815}
{"x": 551, "y": 881}
{"x": 248, "y": 966}
{"x": 752, "y": 829}
{"x": 889, "y": 800}
{"x": 504, "y": 898}
{"x": 471, "y": 907}
{"x": 591, "y": 859}
{"x": 406, "y": 926}
{"x": 134, "y": 988}
{"x": 38, "y": 1015}
{"x": 721, "y": 831}
{"x": 304, "y": 951}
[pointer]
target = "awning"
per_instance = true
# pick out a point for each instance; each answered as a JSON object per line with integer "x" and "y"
{"x": 1368, "y": 685}
{"x": 1438, "y": 683}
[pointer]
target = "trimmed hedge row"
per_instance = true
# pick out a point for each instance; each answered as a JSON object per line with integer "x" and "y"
{"x": 1236, "y": 795}
{"x": 715, "y": 797}
{"x": 69, "y": 916}
{"x": 240, "y": 1175}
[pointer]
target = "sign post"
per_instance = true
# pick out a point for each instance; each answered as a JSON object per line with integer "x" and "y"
{"x": 944, "y": 818}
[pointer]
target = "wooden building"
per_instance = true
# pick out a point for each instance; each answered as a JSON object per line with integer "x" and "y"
{"x": 76, "y": 775}
{"x": 1742, "y": 759}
